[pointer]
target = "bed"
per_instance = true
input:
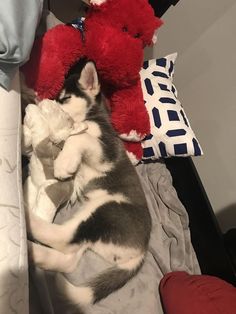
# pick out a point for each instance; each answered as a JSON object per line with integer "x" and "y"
{"x": 185, "y": 235}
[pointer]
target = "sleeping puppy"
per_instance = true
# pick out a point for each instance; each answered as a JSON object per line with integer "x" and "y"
{"x": 112, "y": 218}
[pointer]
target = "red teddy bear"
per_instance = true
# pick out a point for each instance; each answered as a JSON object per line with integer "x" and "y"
{"x": 115, "y": 33}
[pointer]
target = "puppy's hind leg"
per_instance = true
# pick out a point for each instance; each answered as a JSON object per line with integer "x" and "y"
{"x": 49, "y": 259}
{"x": 53, "y": 235}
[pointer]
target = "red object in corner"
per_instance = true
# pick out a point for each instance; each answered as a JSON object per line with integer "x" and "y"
{"x": 182, "y": 293}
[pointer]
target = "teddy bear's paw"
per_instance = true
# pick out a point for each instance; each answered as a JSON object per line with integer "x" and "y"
{"x": 37, "y": 124}
{"x": 32, "y": 114}
{"x": 133, "y": 158}
{"x": 132, "y": 136}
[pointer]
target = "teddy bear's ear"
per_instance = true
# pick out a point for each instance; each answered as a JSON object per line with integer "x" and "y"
{"x": 89, "y": 79}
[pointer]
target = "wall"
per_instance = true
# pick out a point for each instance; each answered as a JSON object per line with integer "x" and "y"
{"x": 204, "y": 35}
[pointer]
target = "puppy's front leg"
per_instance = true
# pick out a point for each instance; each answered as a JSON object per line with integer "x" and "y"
{"x": 68, "y": 160}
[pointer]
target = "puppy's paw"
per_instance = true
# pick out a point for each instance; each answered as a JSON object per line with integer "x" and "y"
{"x": 64, "y": 168}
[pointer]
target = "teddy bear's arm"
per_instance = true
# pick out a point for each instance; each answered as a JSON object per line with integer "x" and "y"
{"x": 129, "y": 114}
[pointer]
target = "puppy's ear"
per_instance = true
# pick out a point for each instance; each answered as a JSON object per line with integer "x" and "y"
{"x": 88, "y": 80}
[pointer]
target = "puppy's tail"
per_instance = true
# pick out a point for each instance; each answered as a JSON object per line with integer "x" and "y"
{"x": 99, "y": 287}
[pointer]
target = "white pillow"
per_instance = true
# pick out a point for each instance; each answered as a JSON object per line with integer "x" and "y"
{"x": 171, "y": 133}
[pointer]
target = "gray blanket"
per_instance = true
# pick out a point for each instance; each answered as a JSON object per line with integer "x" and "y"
{"x": 170, "y": 250}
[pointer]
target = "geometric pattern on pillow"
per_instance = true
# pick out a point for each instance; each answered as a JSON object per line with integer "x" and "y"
{"x": 171, "y": 133}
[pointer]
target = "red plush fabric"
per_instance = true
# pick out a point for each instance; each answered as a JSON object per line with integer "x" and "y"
{"x": 118, "y": 53}
{"x": 182, "y": 293}
{"x": 128, "y": 112}
{"x": 123, "y": 54}
{"x": 115, "y": 34}
{"x": 137, "y": 16}
{"x": 51, "y": 58}
{"x": 135, "y": 151}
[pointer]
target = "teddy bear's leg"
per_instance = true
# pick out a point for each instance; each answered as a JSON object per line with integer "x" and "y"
{"x": 50, "y": 196}
{"x": 44, "y": 207}
{"x": 134, "y": 151}
{"x": 129, "y": 115}
{"x": 35, "y": 122}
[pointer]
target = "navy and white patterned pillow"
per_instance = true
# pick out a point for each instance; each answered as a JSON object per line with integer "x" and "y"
{"x": 171, "y": 133}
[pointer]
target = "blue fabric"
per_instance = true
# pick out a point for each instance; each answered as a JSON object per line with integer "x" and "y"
{"x": 149, "y": 86}
{"x": 167, "y": 100}
{"x": 156, "y": 117}
{"x": 180, "y": 149}
{"x": 173, "y": 115}
{"x": 18, "y": 22}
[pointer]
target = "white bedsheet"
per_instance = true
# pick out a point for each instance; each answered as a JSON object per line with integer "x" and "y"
{"x": 13, "y": 253}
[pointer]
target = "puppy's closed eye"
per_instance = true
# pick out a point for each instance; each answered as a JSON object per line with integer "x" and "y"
{"x": 64, "y": 99}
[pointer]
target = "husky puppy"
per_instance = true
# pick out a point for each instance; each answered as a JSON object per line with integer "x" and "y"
{"x": 112, "y": 218}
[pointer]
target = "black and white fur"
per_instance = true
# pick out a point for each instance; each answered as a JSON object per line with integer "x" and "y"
{"x": 112, "y": 218}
